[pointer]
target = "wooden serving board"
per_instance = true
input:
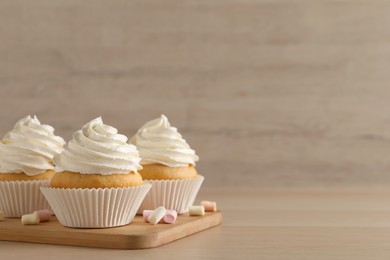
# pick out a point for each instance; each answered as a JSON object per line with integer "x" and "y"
{"x": 136, "y": 235}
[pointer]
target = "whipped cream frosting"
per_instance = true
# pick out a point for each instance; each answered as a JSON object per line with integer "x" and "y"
{"x": 29, "y": 147}
{"x": 98, "y": 149}
{"x": 159, "y": 142}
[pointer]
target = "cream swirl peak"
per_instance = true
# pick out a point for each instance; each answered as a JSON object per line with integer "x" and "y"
{"x": 29, "y": 147}
{"x": 159, "y": 142}
{"x": 98, "y": 149}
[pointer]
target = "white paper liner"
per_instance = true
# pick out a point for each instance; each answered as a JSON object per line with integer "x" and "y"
{"x": 96, "y": 208}
{"x": 178, "y": 195}
{"x": 22, "y": 197}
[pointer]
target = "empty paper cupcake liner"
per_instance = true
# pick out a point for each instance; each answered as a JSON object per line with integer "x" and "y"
{"x": 96, "y": 208}
{"x": 22, "y": 197}
{"x": 178, "y": 195}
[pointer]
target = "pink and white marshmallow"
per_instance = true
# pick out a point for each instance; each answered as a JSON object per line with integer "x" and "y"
{"x": 146, "y": 213}
{"x": 169, "y": 217}
{"x": 209, "y": 206}
{"x": 44, "y": 215}
{"x": 157, "y": 215}
{"x": 36, "y": 217}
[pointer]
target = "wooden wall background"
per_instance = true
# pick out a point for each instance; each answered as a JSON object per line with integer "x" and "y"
{"x": 271, "y": 93}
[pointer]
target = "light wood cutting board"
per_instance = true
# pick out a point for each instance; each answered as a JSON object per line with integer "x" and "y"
{"x": 137, "y": 235}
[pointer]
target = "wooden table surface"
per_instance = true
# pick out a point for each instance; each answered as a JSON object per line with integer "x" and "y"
{"x": 260, "y": 224}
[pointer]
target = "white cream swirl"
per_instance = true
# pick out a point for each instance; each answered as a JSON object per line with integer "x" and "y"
{"x": 98, "y": 149}
{"x": 159, "y": 142}
{"x": 29, "y": 148}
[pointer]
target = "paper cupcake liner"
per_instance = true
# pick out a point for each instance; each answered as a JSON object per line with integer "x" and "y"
{"x": 96, "y": 208}
{"x": 22, "y": 197}
{"x": 178, "y": 195}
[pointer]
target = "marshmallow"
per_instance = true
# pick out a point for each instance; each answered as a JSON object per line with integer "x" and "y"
{"x": 30, "y": 219}
{"x": 170, "y": 216}
{"x": 210, "y": 206}
{"x": 146, "y": 213}
{"x": 2, "y": 216}
{"x": 44, "y": 215}
{"x": 196, "y": 211}
{"x": 157, "y": 215}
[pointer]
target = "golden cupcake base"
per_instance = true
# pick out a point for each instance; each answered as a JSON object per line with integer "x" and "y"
{"x": 162, "y": 172}
{"x": 69, "y": 179}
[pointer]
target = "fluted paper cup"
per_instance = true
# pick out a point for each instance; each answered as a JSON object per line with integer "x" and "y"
{"x": 22, "y": 197}
{"x": 178, "y": 195}
{"x": 96, "y": 208}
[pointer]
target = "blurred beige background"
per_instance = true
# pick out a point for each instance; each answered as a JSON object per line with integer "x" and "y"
{"x": 270, "y": 93}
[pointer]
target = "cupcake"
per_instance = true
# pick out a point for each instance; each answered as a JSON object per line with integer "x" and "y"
{"x": 168, "y": 164}
{"x": 96, "y": 184}
{"x": 26, "y": 154}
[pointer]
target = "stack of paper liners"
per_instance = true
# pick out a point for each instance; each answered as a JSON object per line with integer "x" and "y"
{"x": 22, "y": 197}
{"x": 96, "y": 208}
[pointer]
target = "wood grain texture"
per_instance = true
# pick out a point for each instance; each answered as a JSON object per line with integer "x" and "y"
{"x": 269, "y": 93}
{"x": 137, "y": 235}
{"x": 268, "y": 224}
